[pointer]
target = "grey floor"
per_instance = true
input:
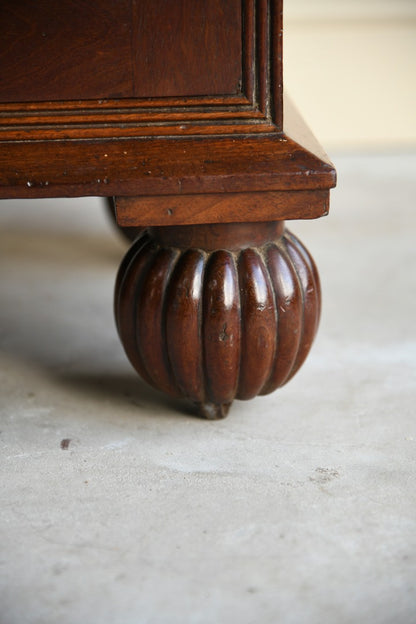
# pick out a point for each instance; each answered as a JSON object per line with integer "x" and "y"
{"x": 300, "y": 507}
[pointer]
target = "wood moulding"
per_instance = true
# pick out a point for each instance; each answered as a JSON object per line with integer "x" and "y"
{"x": 254, "y": 107}
{"x": 176, "y": 160}
{"x": 215, "y": 300}
{"x": 144, "y": 172}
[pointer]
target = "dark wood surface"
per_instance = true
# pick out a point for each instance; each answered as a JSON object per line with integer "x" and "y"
{"x": 194, "y": 66}
{"x": 216, "y": 149}
{"x": 259, "y": 206}
{"x": 179, "y": 48}
{"x": 65, "y": 50}
{"x": 218, "y": 178}
{"x": 218, "y": 321}
{"x": 162, "y": 167}
{"x": 76, "y": 49}
{"x": 176, "y": 109}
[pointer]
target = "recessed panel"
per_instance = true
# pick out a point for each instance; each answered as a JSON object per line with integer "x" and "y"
{"x": 111, "y": 49}
{"x": 187, "y": 47}
{"x": 65, "y": 50}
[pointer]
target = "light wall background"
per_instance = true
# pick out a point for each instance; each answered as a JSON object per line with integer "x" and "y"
{"x": 350, "y": 67}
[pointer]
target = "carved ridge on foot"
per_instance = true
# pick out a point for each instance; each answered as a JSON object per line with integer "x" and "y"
{"x": 213, "y": 325}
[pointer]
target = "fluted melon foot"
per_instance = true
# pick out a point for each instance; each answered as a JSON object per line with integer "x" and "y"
{"x": 217, "y": 312}
{"x": 213, "y": 411}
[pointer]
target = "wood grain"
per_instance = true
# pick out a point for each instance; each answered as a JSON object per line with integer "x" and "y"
{"x": 213, "y": 324}
{"x": 65, "y": 50}
{"x": 221, "y": 330}
{"x": 179, "y": 48}
{"x": 215, "y": 152}
{"x": 258, "y": 323}
{"x": 221, "y": 207}
{"x": 162, "y": 167}
{"x": 175, "y": 109}
{"x": 104, "y": 49}
{"x": 189, "y": 67}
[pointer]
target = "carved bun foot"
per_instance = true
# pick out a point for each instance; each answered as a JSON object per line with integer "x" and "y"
{"x": 217, "y": 312}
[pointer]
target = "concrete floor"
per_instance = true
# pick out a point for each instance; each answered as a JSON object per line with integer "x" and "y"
{"x": 300, "y": 507}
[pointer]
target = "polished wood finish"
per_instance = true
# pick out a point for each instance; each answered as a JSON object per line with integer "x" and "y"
{"x": 193, "y": 67}
{"x": 185, "y": 58}
{"x": 190, "y": 166}
{"x": 176, "y": 110}
{"x": 64, "y": 51}
{"x": 214, "y": 313}
{"x": 221, "y": 207}
{"x": 229, "y": 152}
{"x": 230, "y": 236}
{"x": 162, "y": 167}
{"x": 114, "y": 44}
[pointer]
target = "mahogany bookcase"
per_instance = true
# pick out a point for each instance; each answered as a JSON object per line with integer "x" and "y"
{"x": 175, "y": 110}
